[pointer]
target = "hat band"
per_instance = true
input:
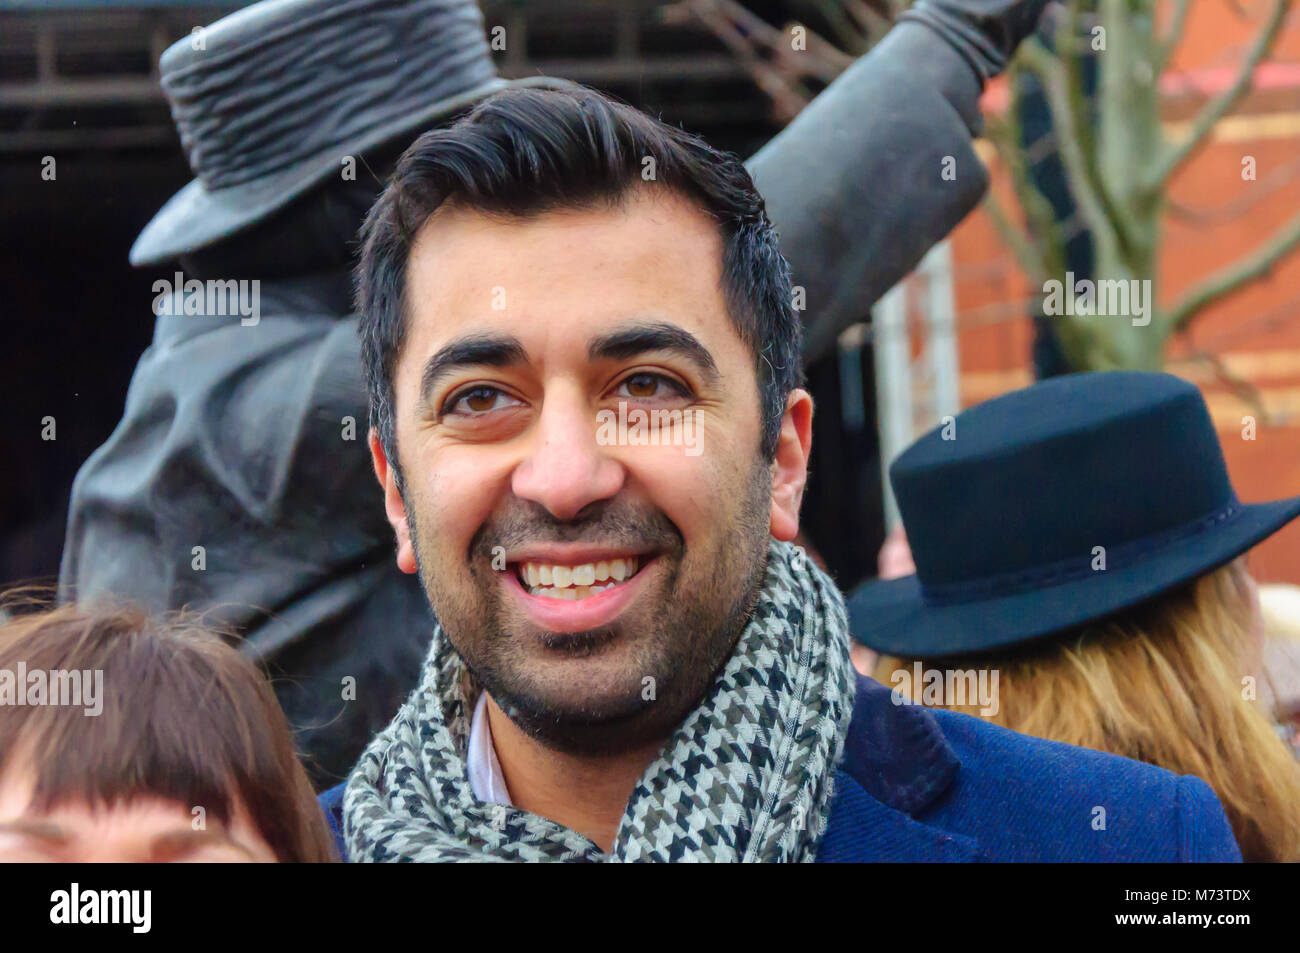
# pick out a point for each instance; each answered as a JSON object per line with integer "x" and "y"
{"x": 1070, "y": 570}
{"x": 301, "y": 90}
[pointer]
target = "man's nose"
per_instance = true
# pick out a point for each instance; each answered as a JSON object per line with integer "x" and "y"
{"x": 566, "y": 468}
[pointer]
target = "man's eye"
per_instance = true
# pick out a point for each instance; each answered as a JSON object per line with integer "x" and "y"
{"x": 478, "y": 400}
{"x": 645, "y": 386}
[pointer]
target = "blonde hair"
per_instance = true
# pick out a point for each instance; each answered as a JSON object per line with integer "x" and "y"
{"x": 1161, "y": 683}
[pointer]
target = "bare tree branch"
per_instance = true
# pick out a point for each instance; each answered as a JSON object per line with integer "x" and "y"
{"x": 1222, "y": 104}
{"x": 1276, "y": 180}
{"x": 1233, "y": 277}
{"x": 1252, "y": 327}
{"x": 845, "y": 33}
{"x": 1016, "y": 238}
{"x": 787, "y": 100}
{"x": 1239, "y": 385}
{"x": 765, "y": 51}
{"x": 870, "y": 21}
{"x": 822, "y": 59}
{"x": 1090, "y": 203}
{"x": 828, "y": 60}
{"x": 1082, "y": 128}
{"x": 1172, "y": 36}
{"x": 1041, "y": 217}
{"x": 1236, "y": 7}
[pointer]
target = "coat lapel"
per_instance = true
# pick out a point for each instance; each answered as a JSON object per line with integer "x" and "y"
{"x": 897, "y": 762}
{"x": 864, "y": 830}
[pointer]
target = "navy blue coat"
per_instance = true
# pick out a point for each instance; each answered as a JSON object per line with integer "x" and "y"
{"x": 919, "y": 784}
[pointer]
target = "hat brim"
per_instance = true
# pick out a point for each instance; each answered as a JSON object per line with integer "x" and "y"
{"x": 195, "y": 217}
{"x": 891, "y": 616}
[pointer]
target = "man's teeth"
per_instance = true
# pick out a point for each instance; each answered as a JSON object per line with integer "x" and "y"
{"x": 576, "y": 582}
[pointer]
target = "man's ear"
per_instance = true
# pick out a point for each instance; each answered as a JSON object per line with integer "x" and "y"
{"x": 394, "y": 505}
{"x": 790, "y": 465}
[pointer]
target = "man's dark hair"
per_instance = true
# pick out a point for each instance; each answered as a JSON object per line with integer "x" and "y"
{"x": 523, "y": 152}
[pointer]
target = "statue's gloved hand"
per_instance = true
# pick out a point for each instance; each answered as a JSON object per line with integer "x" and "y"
{"x": 985, "y": 32}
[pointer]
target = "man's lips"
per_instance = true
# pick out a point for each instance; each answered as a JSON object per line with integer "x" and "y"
{"x": 595, "y": 610}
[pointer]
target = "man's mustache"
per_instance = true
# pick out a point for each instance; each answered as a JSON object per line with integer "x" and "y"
{"x": 608, "y": 523}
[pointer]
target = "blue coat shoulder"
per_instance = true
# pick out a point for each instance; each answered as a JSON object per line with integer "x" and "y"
{"x": 918, "y": 784}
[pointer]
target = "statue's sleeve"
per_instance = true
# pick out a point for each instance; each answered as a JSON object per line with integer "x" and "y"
{"x": 881, "y": 165}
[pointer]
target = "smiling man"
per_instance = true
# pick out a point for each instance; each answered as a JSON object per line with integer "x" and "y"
{"x": 632, "y": 661}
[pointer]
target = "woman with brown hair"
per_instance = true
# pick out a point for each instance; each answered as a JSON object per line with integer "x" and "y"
{"x": 1101, "y": 590}
{"x": 129, "y": 738}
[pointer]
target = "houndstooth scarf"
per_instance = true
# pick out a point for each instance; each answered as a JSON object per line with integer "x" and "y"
{"x": 746, "y": 777}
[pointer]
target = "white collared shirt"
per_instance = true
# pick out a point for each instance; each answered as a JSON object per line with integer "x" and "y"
{"x": 485, "y": 777}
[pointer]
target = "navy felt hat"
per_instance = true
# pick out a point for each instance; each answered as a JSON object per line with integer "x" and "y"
{"x": 1053, "y": 506}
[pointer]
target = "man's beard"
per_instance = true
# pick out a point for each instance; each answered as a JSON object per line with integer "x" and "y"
{"x": 703, "y": 605}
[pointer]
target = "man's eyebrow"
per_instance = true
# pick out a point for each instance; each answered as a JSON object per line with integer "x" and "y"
{"x": 638, "y": 338}
{"x": 34, "y": 827}
{"x": 476, "y": 350}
